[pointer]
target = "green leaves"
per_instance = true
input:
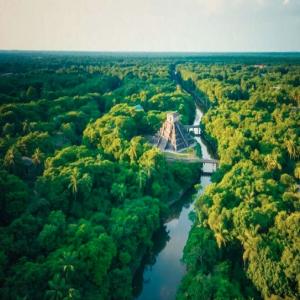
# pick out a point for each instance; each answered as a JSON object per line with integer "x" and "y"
{"x": 83, "y": 209}
{"x": 254, "y": 195}
{"x": 98, "y": 254}
{"x": 73, "y": 185}
{"x": 56, "y": 288}
{"x": 14, "y": 197}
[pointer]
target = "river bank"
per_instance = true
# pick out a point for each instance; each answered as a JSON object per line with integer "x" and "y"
{"x": 162, "y": 271}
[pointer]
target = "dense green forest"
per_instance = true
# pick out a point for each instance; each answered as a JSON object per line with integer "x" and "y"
{"x": 83, "y": 191}
{"x": 245, "y": 242}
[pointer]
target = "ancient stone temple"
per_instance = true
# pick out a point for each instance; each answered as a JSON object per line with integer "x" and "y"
{"x": 173, "y": 136}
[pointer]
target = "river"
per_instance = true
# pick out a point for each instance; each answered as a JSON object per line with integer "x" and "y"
{"x": 161, "y": 273}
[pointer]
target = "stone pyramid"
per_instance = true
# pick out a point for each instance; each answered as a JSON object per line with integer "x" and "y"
{"x": 172, "y": 135}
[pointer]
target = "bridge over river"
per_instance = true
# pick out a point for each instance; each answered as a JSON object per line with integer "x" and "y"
{"x": 187, "y": 158}
{"x": 162, "y": 270}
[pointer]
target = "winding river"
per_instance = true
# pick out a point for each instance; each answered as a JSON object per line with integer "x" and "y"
{"x": 160, "y": 274}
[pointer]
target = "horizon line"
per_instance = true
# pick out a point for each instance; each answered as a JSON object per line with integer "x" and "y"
{"x": 151, "y": 51}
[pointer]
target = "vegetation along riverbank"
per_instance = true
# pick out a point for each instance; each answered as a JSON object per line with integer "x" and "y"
{"x": 245, "y": 240}
{"x": 83, "y": 191}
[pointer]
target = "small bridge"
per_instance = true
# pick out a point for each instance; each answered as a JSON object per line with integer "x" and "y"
{"x": 194, "y": 128}
{"x": 193, "y": 159}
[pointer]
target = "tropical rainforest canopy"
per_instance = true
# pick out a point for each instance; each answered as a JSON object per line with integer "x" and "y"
{"x": 83, "y": 190}
{"x": 245, "y": 242}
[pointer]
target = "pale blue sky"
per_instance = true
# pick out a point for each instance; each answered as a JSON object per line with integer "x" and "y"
{"x": 150, "y": 25}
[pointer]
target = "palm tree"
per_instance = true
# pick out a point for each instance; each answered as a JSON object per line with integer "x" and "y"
{"x": 72, "y": 294}
{"x": 249, "y": 197}
{"x": 272, "y": 163}
{"x": 220, "y": 239}
{"x": 220, "y": 235}
{"x": 250, "y": 241}
{"x": 67, "y": 261}
{"x": 73, "y": 185}
{"x": 133, "y": 152}
{"x": 26, "y": 126}
{"x": 149, "y": 167}
{"x": 291, "y": 148}
{"x": 37, "y": 156}
{"x": 11, "y": 159}
{"x": 142, "y": 178}
{"x": 297, "y": 171}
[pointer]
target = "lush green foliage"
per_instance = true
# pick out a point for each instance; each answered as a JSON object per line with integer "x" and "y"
{"x": 82, "y": 190}
{"x": 245, "y": 240}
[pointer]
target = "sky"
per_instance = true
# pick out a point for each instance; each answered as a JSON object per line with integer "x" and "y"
{"x": 150, "y": 25}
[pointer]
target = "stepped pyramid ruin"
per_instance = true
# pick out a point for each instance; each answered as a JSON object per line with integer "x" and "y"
{"x": 172, "y": 135}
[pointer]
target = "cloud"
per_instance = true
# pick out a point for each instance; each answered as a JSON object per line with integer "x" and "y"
{"x": 211, "y": 7}
{"x": 217, "y": 7}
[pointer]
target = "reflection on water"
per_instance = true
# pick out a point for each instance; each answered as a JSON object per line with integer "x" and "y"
{"x": 160, "y": 274}
{"x": 160, "y": 239}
